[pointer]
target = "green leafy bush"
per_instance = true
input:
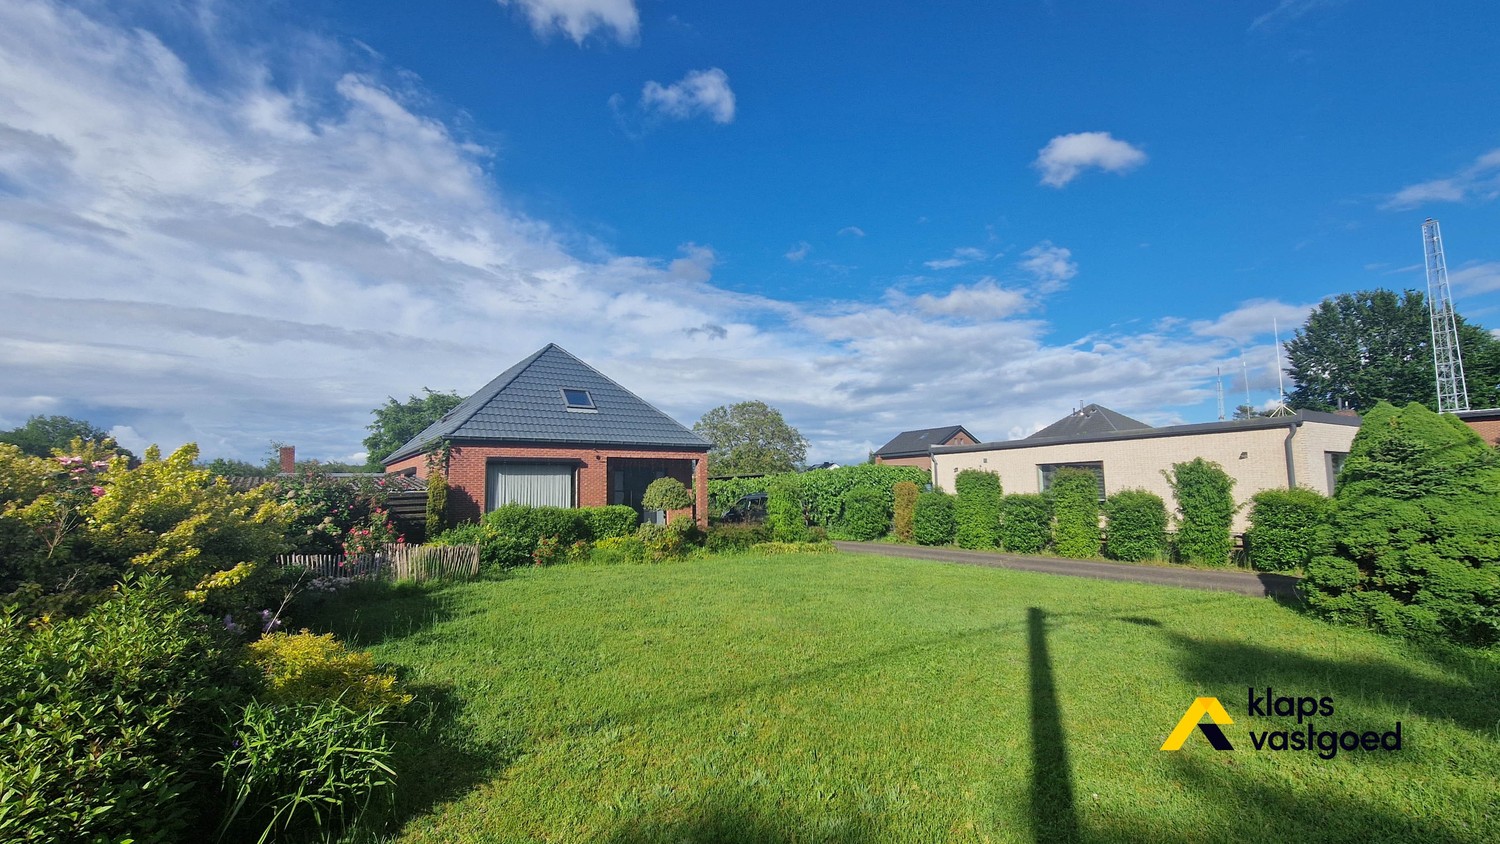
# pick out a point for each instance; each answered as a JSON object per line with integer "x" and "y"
{"x": 867, "y": 514}
{"x": 731, "y": 538}
{"x": 513, "y": 531}
{"x": 771, "y": 549}
{"x": 932, "y": 520}
{"x": 784, "y": 513}
{"x": 1137, "y": 526}
{"x": 613, "y": 520}
{"x": 1416, "y": 531}
{"x": 1075, "y": 513}
{"x": 820, "y": 493}
{"x": 1287, "y": 527}
{"x": 1205, "y": 508}
{"x": 108, "y": 721}
{"x": 311, "y": 768}
{"x": 1025, "y": 523}
{"x": 905, "y": 510}
{"x": 620, "y": 549}
{"x": 674, "y": 539}
{"x": 976, "y": 511}
{"x": 666, "y": 494}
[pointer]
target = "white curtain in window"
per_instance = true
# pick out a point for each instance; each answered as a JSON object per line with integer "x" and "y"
{"x": 536, "y": 484}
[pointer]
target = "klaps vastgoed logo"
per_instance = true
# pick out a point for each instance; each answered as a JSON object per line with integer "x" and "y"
{"x": 1304, "y": 737}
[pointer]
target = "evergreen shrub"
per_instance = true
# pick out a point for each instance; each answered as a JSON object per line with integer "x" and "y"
{"x": 904, "y": 509}
{"x": 867, "y": 514}
{"x": 1205, "y": 508}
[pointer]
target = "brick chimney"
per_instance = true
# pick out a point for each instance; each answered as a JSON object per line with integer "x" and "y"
{"x": 288, "y": 459}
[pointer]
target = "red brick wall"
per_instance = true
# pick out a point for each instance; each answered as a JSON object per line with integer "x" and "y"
{"x": 468, "y": 470}
{"x": 1487, "y": 429}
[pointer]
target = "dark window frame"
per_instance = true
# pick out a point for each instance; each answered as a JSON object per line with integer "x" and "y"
{"x": 1045, "y": 471}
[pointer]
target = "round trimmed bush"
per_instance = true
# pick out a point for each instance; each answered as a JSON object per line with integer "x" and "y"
{"x": 866, "y": 515}
{"x": 1287, "y": 526}
{"x": 1025, "y": 523}
{"x": 932, "y": 523}
{"x": 1137, "y": 526}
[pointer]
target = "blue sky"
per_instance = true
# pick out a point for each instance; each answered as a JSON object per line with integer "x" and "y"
{"x": 237, "y": 223}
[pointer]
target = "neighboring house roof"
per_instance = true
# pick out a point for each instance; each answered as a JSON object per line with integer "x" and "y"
{"x": 1087, "y": 421}
{"x": 1256, "y": 424}
{"x": 908, "y": 443}
{"x": 525, "y": 404}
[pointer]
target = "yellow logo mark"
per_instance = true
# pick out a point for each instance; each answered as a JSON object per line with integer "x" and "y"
{"x": 1209, "y": 706}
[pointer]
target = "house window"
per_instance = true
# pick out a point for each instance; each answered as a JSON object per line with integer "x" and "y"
{"x": 578, "y": 399}
{"x": 1334, "y": 462}
{"x": 1048, "y": 470}
{"x": 536, "y": 484}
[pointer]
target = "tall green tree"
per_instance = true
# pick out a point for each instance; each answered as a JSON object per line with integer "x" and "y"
{"x": 1358, "y": 349}
{"x": 397, "y": 422}
{"x": 750, "y": 437}
{"x": 42, "y": 434}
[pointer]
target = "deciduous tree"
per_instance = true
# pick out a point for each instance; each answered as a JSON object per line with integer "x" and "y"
{"x": 397, "y": 422}
{"x": 750, "y": 437}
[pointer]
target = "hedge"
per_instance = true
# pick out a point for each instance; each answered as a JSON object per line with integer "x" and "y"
{"x": 904, "y": 509}
{"x": 1137, "y": 526}
{"x": 976, "y": 511}
{"x": 1205, "y": 507}
{"x": 1025, "y": 523}
{"x": 1286, "y": 527}
{"x": 613, "y": 520}
{"x": 820, "y": 491}
{"x": 867, "y": 514}
{"x": 784, "y": 509}
{"x": 933, "y": 522}
{"x": 1075, "y": 513}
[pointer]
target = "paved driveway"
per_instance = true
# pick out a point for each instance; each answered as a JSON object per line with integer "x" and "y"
{"x": 1246, "y": 583}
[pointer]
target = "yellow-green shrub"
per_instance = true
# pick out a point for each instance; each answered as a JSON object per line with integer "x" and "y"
{"x": 301, "y": 668}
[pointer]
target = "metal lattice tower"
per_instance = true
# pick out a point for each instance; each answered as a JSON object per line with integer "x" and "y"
{"x": 1447, "y": 360}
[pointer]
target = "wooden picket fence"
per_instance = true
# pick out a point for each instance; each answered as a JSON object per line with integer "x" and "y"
{"x": 394, "y": 562}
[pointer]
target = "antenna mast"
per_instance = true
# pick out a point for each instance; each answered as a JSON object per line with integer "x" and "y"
{"x": 1219, "y": 378}
{"x": 1447, "y": 360}
{"x": 1281, "y": 408}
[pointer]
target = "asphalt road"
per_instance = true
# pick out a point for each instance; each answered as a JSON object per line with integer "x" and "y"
{"x": 1255, "y": 584}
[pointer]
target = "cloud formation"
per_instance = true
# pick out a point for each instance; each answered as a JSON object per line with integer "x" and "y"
{"x": 960, "y": 257}
{"x": 852, "y": 231}
{"x": 700, "y": 92}
{"x": 1066, "y": 156}
{"x": 580, "y": 18}
{"x": 1479, "y": 182}
{"x": 268, "y": 260}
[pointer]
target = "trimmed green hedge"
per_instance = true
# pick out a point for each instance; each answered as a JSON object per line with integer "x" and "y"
{"x": 1025, "y": 523}
{"x": 784, "y": 509}
{"x": 1287, "y": 527}
{"x": 1075, "y": 513}
{"x": 1137, "y": 526}
{"x": 820, "y": 491}
{"x": 933, "y": 523}
{"x": 904, "y": 511}
{"x": 976, "y": 512}
{"x": 1205, "y": 507}
{"x": 613, "y": 520}
{"x": 867, "y": 514}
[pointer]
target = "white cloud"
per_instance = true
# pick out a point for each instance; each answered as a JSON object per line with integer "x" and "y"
{"x": 1066, "y": 156}
{"x": 704, "y": 92}
{"x": 695, "y": 265}
{"x": 1051, "y": 265}
{"x": 256, "y": 261}
{"x": 798, "y": 252}
{"x": 580, "y": 18}
{"x": 1479, "y": 181}
{"x": 852, "y": 231}
{"x": 1290, "y": 10}
{"x": 961, "y": 256}
{"x": 1476, "y": 278}
{"x": 1255, "y": 318}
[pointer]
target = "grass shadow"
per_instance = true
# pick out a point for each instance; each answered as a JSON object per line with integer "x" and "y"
{"x": 370, "y": 612}
{"x": 743, "y": 819}
{"x": 1053, "y": 814}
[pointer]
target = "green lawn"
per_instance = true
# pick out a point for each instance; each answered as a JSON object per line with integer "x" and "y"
{"x": 846, "y": 698}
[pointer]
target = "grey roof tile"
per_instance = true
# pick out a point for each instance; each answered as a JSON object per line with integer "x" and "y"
{"x": 1087, "y": 421}
{"x": 525, "y": 404}
{"x": 916, "y": 442}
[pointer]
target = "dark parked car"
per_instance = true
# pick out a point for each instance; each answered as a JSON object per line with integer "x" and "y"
{"x": 750, "y": 509}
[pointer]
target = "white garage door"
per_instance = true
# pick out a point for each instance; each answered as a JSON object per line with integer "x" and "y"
{"x": 537, "y": 484}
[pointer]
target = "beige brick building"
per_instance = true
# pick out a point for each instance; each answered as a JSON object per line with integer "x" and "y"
{"x": 1305, "y": 449}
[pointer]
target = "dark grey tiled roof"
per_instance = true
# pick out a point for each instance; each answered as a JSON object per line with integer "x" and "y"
{"x": 916, "y": 442}
{"x": 525, "y": 404}
{"x": 1089, "y": 420}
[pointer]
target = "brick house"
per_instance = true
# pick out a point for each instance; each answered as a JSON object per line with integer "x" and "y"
{"x": 1486, "y": 423}
{"x": 553, "y": 430}
{"x": 909, "y": 448}
{"x": 1303, "y": 449}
